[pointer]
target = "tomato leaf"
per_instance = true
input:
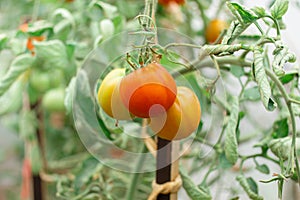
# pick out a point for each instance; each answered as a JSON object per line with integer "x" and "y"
{"x": 242, "y": 14}
{"x": 12, "y": 98}
{"x": 89, "y": 166}
{"x": 39, "y": 27}
{"x": 249, "y": 186}
{"x": 280, "y": 128}
{"x": 235, "y": 30}
{"x": 288, "y": 77}
{"x": 279, "y": 8}
{"x": 259, "y": 11}
{"x": 252, "y": 94}
{"x": 52, "y": 54}
{"x": 192, "y": 190}
{"x": 237, "y": 71}
{"x": 231, "y": 145}
{"x": 282, "y": 56}
{"x": 223, "y": 162}
{"x": 19, "y": 65}
{"x": 263, "y": 168}
{"x": 262, "y": 81}
{"x": 3, "y": 41}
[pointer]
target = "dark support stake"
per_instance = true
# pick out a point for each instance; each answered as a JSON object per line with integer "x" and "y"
{"x": 37, "y": 188}
{"x": 163, "y": 164}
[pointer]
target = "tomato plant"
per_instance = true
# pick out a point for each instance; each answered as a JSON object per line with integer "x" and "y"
{"x": 244, "y": 73}
{"x": 181, "y": 119}
{"x": 109, "y": 96}
{"x": 148, "y": 91}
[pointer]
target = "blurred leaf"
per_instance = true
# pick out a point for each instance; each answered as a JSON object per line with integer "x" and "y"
{"x": 223, "y": 162}
{"x": 12, "y": 98}
{"x": 237, "y": 71}
{"x": 19, "y": 65}
{"x": 259, "y": 11}
{"x": 86, "y": 172}
{"x": 252, "y": 94}
{"x": 39, "y": 27}
{"x": 262, "y": 81}
{"x": 249, "y": 186}
{"x": 3, "y": 41}
{"x": 52, "y": 54}
{"x": 231, "y": 145}
{"x": 280, "y": 128}
{"x": 191, "y": 189}
{"x": 263, "y": 168}
{"x": 64, "y": 13}
{"x": 279, "y": 8}
{"x": 109, "y": 10}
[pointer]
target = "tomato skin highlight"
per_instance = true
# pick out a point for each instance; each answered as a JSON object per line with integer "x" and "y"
{"x": 214, "y": 29}
{"x": 109, "y": 97}
{"x": 181, "y": 120}
{"x": 148, "y": 91}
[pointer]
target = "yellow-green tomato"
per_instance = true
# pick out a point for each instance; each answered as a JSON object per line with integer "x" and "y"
{"x": 109, "y": 96}
{"x": 54, "y": 100}
{"x": 181, "y": 119}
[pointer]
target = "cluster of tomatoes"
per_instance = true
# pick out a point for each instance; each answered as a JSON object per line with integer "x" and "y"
{"x": 151, "y": 92}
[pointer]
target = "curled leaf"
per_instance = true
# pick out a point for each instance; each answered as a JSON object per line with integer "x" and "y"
{"x": 249, "y": 187}
{"x": 262, "y": 80}
{"x": 192, "y": 190}
{"x": 231, "y": 145}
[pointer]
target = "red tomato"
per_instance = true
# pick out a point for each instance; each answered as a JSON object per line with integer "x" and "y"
{"x": 148, "y": 91}
{"x": 181, "y": 120}
{"x": 167, "y": 2}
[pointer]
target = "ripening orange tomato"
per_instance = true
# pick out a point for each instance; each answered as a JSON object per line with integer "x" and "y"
{"x": 181, "y": 120}
{"x": 148, "y": 91}
{"x": 214, "y": 29}
{"x": 109, "y": 97}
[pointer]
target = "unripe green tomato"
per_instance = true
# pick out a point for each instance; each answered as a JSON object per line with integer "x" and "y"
{"x": 54, "y": 100}
{"x": 56, "y": 78}
{"x": 39, "y": 81}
